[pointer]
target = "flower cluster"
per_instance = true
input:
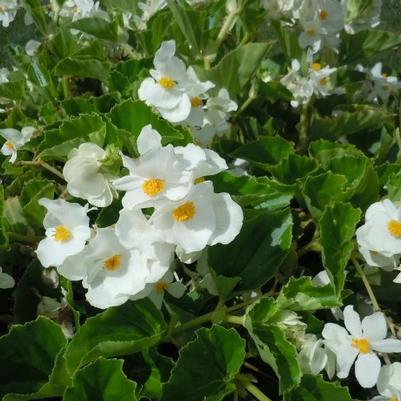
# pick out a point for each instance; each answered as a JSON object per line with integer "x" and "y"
{"x": 180, "y": 97}
{"x": 14, "y": 140}
{"x": 167, "y": 206}
{"x": 321, "y": 21}
{"x": 304, "y": 84}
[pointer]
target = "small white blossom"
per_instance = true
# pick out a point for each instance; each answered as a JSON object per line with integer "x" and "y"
{"x": 84, "y": 177}
{"x": 8, "y": 11}
{"x": 165, "y": 88}
{"x": 78, "y": 9}
{"x": 32, "y": 47}
{"x": 389, "y": 383}
{"x": 67, "y": 230}
{"x": 359, "y": 343}
{"x": 156, "y": 291}
{"x": 14, "y": 140}
{"x": 201, "y": 218}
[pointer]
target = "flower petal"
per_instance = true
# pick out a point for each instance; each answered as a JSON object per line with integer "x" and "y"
{"x": 367, "y": 368}
{"x": 352, "y": 321}
{"x": 388, "y": 345}
{"x": 374, "y": 327}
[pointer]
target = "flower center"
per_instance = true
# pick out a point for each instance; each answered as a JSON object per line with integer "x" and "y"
{"x": 161, "y": 286}
{"x": 199, "y": 180}
{"x": 166, "y": 82}
{"x": 184, "y": 212}
{"x": 10, "y": 145}
{"x": 311, "y": 32}
{"x": 394, "y": 398}
{"x": 323, "y": 81}
{"x": 361, "y": 344}
{"x": 394, "y": 228}
{"x": 62, "y": 234}
{"x": 323, "y": 15}
{"x": 316, "y": 66}
{"x": 112, "y": 263}
{"x": 153, "y": 186}
{"x": 196, "y": 101}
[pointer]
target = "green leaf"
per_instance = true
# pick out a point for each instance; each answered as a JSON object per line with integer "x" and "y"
{"x": 82, "y": 67}
{"x": 357, "y": 47}
{"x": 259, "y": 192}
{"x": 314, "y": 388}
{"x": 57, "y": 143}
{"x": 393, "y": 186}
{"x": 14, "y": 90}
{"x": 121, "y": 330}
{"x": 102, "y": 380}
{"x": 35, "y": 9}
{"x": 236, "y": 68}
{"x": 3, "y": 232}
{"x": 32, "y": 191}
{"x": 300, "y": 294}
{"x": 264, "y": 152}
{"x": 98, "y": 27}
{"x": 337, "y": 228}
{"x": 323, "y": 189}
{"x": 272, "y": 345}
{"x": 132, "y": 116}
{"x": 218, "y": 354}
{"x": 257, "y": 252}
{"x": 28, "y": 368}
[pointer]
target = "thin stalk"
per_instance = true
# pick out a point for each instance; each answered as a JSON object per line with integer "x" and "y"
{"x": 227, "y": 26}
{"x": 252, "y": 389}
{"x": 303, "y": 128}
{"x": 70, "y": 300}
{"x": 65, "y": 84}
{"x": 372, "y": 296}
{"x": 234, "y": 319}
{"x": 43, "y": 164}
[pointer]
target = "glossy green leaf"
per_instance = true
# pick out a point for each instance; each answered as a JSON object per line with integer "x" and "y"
{"x": 219, "y": 354}
{"x": 337, "y": 228}
{"x": 28, "y": 368}
{"x": 102, "y": 380}
{"x": 82, "y": 67}
{"x": 256, "y": 253}
{"x": 121, "y": 330}
{"x": 98, "y": 27}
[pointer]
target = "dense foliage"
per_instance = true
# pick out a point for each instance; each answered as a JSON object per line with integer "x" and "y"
{"x": 200, "y": 200}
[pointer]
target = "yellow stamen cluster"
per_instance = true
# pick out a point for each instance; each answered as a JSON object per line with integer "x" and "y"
{"x": 112, "y": 263}
{"x": 167, "y": 82}
{"x": 361, "y": 344}
{"x": 311, "y": 32}
{"x": 199, "y": 180}
{"x": 323, "y": 15}
{"x": 184, "y": 212}
{"x": 62, "y": 234}
{"x": 153, "y": 186}
{"x": 323, "y": 81}
{"x": 196, "y": 101}
{"x": 316, "y": 66}
{"x": 10, "y": 145}
{"x": 394, "y": 228}
{"x": 161, "y": 286}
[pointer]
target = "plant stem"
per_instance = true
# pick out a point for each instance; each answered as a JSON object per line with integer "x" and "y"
{"x": 227, "y": 26}
{"x": 303, "y": 128}
{"x": 234, "y": 319}
{"x": 70, "y": 300}
{"x": 252, "y": 389}
{"x": 372, "y": 296}
{"x": 43, "y": 164}
{"x": 65, "y": 84}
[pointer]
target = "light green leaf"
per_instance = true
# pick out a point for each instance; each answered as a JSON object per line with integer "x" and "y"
{"x": 337, "y": 228}
{"x": 82, "y": 67}
{"x": 121, "y": 330}
{"x": 218, "y": 354}
{"x": 98, "y": 27}
{"x": 102, "y": 380}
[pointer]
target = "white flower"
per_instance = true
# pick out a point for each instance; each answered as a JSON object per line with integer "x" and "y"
{"x": 14, "y": 140}
{"x": 331, "y": 15}
{"x": 6, "y": 281}
{"x": 311, "y": 36}
{"x": 8, "y": 11}
{"x": 78, "y": 9}
{"x": 300, "y": 87}
{"x": 359, "y": 341}
{"x": 201, "y": 218}
{"x": 165, "y": 89}
{"x": 135, "y": 231}
{"x": 109, "y": 271}
{"x": 278, "y": 9}
{"x": 381, "y": 232}
{"x": 67, "y": 230}
{"x": 31, "y": 47}
{"x": 4, "y": 73}
{"x": 319, "y": 78}
{"x": 84, "y": 178}
{"x": 383, "y": 85}
{"x": 389, "y": 383}
{"x": 216, "y": 114}
{"x": 156, "y": 175}
{"x": 150, "y": 8}
{"x": 369, "y": 18}
{"x": 314, "y": 357}
{"x": 157, "y": 290}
